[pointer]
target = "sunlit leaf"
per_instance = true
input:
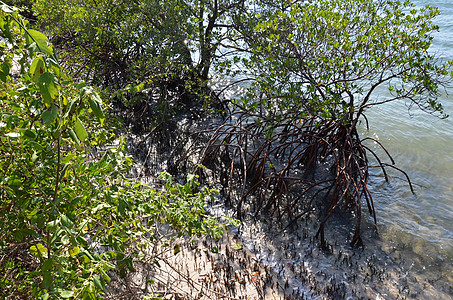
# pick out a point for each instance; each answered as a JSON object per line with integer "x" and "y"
{"x": 37, "y": 68}
{"x": 237, "y": 246}
{"x": 66, "y": 293}
{"x": 7, "y": 9}
{"x": 176, "y": 249}
{"x": 38, "y": 250}
{"x": 12, "y": 134}
{"x": 79, "y": 129}
{"x": 44, "y": 46}
{"x": 48, "y": 87}
{"x": 74, "y": 138}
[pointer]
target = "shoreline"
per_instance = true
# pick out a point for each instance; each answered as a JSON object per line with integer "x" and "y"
{"x": 206, "y": 270}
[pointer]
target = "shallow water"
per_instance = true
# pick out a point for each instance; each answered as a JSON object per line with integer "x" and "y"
{"x": 419, "y": 225}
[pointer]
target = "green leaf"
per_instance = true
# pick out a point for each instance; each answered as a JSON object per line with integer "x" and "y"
{"x": 79, "y": 129}
{"x": 49, "y": 115}
{"x": 75, "y": 139}
{"x": 29, "y": 134}
{"x": 181, "y": 190}
{"x": 52, "y": 225}
{"x": 33, "y": 36}
{"x": 74, "y": 251}
{"x": 57, "y": 236}
{"x": 98, "y": 282}
{"x": 38, "y": 250}
{"x": 66, "y": 222}
{"x": 47, "y": 266}
{"x": 47, "y": 280}
{"x": 45, "y": 296}
{"x": 37, "y": 68}
{"x": 89, "y": 292}
{"x": 237, "y": 246}
{"x": 105, "y": 277}
{"x": 96, "y": 108}
{"x": 84, "y": 243}
{"x": 48, "y": 87}
{"x": 20, "y": 234}
{"x": 4, "y": 71}
{"x": 66, "y": 293}
{"x": 139, "y": 88}
{"x": 95, "y": 102}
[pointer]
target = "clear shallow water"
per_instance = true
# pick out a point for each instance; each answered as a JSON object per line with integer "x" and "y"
{"x": 422, "y": 145}
{"x": 416, "y": 231}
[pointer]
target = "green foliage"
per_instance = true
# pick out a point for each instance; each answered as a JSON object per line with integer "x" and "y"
{"x": 111, "y": 42}
{"x": 328, "y": 58}
{"x": 69, "y": 213}
{"x": 151, "y": 56}
{"x": 316, "y": 68}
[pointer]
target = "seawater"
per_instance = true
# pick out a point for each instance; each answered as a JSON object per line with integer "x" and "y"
{"x": 422, "y": 145}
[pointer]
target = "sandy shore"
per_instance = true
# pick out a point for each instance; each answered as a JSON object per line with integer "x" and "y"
{"x": 199, "y": 270}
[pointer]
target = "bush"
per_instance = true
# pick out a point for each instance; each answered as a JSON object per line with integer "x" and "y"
{"x": 69, "y": 212}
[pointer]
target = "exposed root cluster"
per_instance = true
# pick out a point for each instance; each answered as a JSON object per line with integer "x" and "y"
{"x": 282, "y": 167}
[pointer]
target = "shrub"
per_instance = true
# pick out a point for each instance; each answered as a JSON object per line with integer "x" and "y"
{"x": 69, "y": 212}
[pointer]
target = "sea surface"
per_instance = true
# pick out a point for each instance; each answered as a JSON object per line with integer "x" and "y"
{"x": 422, "y": 145}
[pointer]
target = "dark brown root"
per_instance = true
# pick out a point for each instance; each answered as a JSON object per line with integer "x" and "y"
{"x": 282, "y": 167}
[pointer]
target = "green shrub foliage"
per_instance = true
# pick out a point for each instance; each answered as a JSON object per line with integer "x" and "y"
{"x": 328, "y": 58}
{"x": 152, "y": 55}
{"x": 314, "y": 69}
{"x": 69, "y": 214}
